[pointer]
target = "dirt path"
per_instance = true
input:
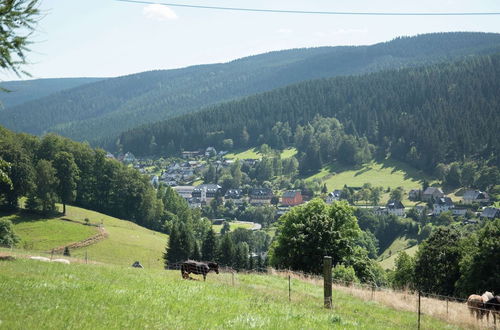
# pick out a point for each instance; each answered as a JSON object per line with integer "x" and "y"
{"x": 86, "y": 242}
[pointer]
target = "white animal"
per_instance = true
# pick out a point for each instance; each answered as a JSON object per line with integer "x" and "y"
{"x": 487, "y": 296}
{"x": 40, "y": 258}
{"x": 63, "y": 261}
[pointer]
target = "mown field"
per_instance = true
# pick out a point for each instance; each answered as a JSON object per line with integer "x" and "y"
{"x": 126, "y": 241}
{"x": 255, "y": 154}
{"x": 232, "y": 226}
{"x": 38, "y": 295}
{"x": 389, "y": 173}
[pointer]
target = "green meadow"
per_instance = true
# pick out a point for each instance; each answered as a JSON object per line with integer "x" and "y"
{"x": 79, "y": 296}
{"x": 126, "y": 241}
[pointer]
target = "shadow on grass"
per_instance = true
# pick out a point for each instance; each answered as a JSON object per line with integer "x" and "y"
{"x": 25, "y": 216}
{"x": 410, "y": 173}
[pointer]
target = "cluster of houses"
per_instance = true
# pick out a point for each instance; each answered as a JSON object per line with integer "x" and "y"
{"x": 439, "y": 201}
{"x": 203, "y": 194}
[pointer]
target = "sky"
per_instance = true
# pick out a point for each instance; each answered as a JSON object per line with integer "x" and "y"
{"x": 108, "y": 38}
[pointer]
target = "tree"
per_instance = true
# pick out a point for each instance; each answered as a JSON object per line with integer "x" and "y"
{"x": 309, "y": 232}
{"x": 67, "y": 175}
{"x": 479, "y": 266}
{"x": 17, "y": 22}
{"x": 7, "y": 235}
{"x": 241, "y": 256}
{"x": 453, "y": 178}
{"x": 5, "y": 181}
{"x": 375, "y": 195}
{"x": 46, "y": 185}
{"x": 226, "y": 251}
{"x": 209, "y": 246}
{"x": 437, "y": 262}
{"x": 226, "y": 228}
{"x": 397, "y": 194}
{"x": 403, "y": 273}
{"x": 180, "y": 245}
{"x": 344, "y": 274}
{"x": 196, "y": 254}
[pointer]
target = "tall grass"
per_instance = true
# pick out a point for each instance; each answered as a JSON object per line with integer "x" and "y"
{"x": 37, "y": 295}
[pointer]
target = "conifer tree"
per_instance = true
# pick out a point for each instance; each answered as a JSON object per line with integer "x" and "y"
{"x": 209, "y": 246}
{"x": 226, "y": 251}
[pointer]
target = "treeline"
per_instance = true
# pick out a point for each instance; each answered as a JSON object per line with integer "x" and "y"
{"x": 55, "y": 169}
{"x": 425, "y": 115}
{"x": 453, "y": 262}
{"x": 99, "y": 112}
{"x": 240, "y": 249}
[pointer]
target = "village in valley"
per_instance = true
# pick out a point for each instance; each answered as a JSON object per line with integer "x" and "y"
{"x": 186, "y": 176}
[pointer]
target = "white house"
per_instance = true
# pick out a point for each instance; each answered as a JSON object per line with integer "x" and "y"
{"x": 333, "y": 196}
{"x": 442, "y": 204}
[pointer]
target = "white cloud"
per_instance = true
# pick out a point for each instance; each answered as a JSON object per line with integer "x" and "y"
{"x": 159, "y": 12}
{"x": 284, "y": 31}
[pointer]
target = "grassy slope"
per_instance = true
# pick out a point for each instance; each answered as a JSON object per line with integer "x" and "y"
{"x": 255, "y": 154}
{"x": 126, "y": 243}
{"x": 42, "y": 233}
{"x": 55, "y": 296}
{"x": 388, "y": 263}
{"x": 389, "y": 173}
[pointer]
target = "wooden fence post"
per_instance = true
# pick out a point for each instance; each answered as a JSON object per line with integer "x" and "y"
{"x": 86, "y": 257}
{"x": 289, "y": 289}
{"x": 373, "y": 290}
{"x": 327, "y": 281}
{"x": 418, "y": 326}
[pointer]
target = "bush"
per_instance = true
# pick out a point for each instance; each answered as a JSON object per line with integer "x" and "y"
{"x": 344, "y": 274}
{"x": 7, "y": 235}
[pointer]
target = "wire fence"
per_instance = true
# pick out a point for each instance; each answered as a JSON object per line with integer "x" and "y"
{"x": 453, "y": 310}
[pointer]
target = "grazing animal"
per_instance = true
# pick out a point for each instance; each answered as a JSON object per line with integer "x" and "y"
{"x": 40, "y": 258}
{"x": 198, "y": 268}
{"x": 475, "y": 304}
{"x": 137, "y": 264}
{"x": 62, "y": 261}
{"x": 493, "y": 306}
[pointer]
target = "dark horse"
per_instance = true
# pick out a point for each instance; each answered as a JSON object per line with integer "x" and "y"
{"x": 198, "y": 268}
{"x": 493, "y": 306}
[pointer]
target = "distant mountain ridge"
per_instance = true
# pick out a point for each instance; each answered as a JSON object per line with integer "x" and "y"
{"x": 424, "y": 115}
{"x": 22, "y": 91}
{"x": 100, "y": 111}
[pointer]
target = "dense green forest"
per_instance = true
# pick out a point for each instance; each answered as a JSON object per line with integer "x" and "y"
{"x": 425, "y": 115}
{"x": 98, "y": 112}
{"x": 21, "y": 91}
{"x": 55, "y": 169}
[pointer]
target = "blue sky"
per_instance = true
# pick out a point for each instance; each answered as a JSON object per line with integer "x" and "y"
{"x": 106, "y": 38}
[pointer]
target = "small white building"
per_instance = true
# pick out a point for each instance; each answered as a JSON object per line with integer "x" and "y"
{"x": 442, "y": 204}
{"x": 333, "y": 196}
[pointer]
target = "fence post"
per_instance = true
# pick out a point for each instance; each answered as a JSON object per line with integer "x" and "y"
{"x": 86, "y": 257}
{"x": 373, "y": 290}
{"x": 51, "y": 254}
{"x": 289, "y": 289}
{"x": 418, "y": 326}
{"x": 446, "y": 306}
{"x": 327, "y": 281}
{"x": 232, "y": 277}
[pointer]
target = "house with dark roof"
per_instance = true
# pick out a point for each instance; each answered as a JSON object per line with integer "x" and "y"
{"x": 333, "y": 196}
{"x": 206, "y": 192}
{"x": 259, "y": 196}
{"x": 396, "y": 208}
{"x": 292, "y": 198}
{"x": 442, "y": 204}
{"x": 475, "y": 196}
{"x": 432, "y": 193}
{"x": 490, "y": 213}
{"x": 234, "y": 195}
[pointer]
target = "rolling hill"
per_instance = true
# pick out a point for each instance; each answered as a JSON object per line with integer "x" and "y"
{"x": 98, "y": 112}
{"x": 424, "y": 115}
{"x": 22, "y": 91}
{"x": 125, "y": 243}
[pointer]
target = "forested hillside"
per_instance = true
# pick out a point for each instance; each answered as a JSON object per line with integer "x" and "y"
{"x": 22, "y": 91}
{"x": 425, "y": 115}
{"x": 98, "y": 112}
